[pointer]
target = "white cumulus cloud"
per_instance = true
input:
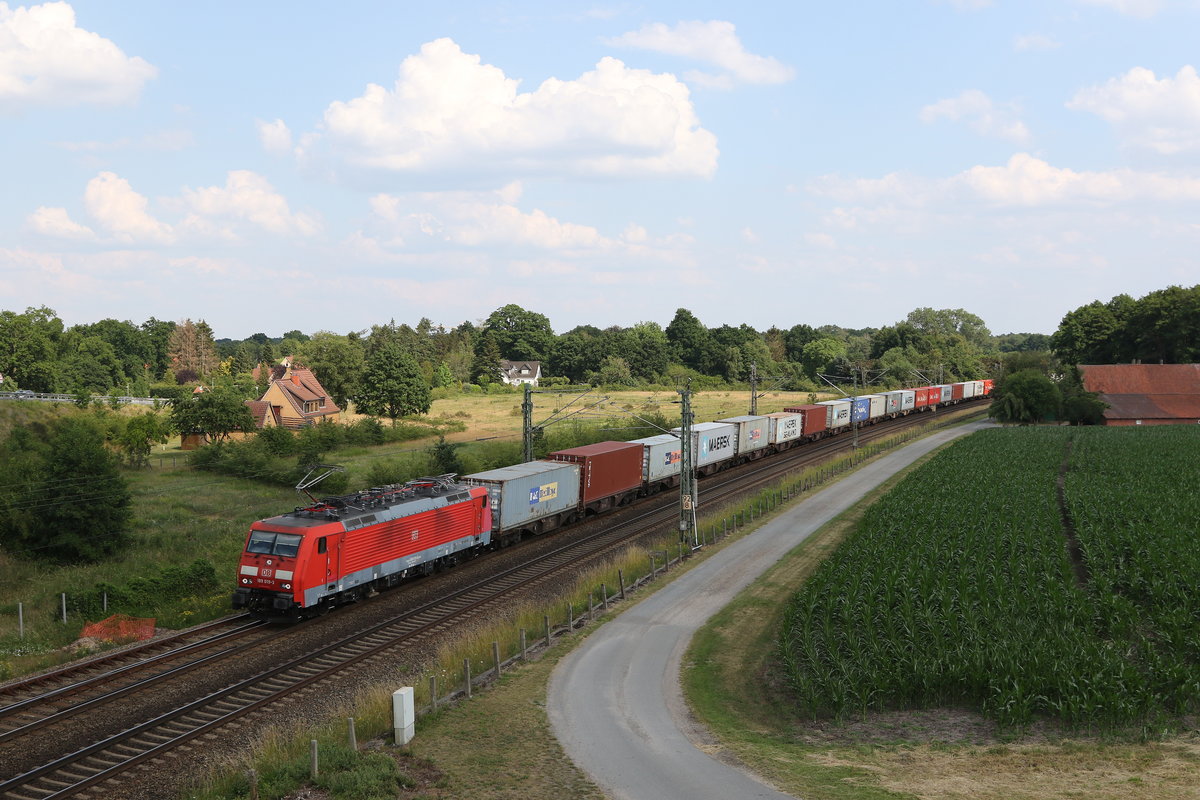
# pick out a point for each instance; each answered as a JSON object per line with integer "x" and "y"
{"x": 56, "y": 222}
{"x": 248, "y": 196}
{"x": 1162, "y": 115}
{"x": 1024, "y": 181}
{"x": 45, "y": 58}
{"x": 113, "y": 203}
{"x": 982, "y": 115}
{"x": 478, "y": 219}
{"x": 449, "y": 113}
{"x": 275, "y": 136}
{"x": 714, "y": 42}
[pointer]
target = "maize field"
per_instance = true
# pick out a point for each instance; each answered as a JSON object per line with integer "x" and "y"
{"x": 958, "y": 589}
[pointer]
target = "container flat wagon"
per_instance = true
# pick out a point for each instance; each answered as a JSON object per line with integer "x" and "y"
{"x": 610, "y": 473}
{"x": 534, "y": 497}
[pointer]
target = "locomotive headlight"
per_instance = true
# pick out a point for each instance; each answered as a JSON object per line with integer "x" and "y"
{"x": 245, "y": 580}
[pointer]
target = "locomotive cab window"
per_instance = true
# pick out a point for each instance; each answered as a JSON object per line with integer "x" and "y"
{"x": 278, "y": 544}
{"x": 321, "y": 545}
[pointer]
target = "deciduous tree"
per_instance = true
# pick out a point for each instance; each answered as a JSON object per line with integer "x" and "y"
{"x": 1025, "y": 397}
{"x": 392, "y": 385}
{"x": 63, "y": 498}
{"x": 215, "y": 414}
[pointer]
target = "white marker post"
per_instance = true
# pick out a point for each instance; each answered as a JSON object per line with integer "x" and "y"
{"x": 404, "y": 717}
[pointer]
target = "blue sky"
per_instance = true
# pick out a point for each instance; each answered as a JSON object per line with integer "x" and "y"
{"x": 268, "y": 166}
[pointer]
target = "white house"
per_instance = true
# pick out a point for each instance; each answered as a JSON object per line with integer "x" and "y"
{"x": 515, "y": 373}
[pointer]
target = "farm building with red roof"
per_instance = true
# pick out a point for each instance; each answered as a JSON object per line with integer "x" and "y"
{"x": 1146, "y": 394}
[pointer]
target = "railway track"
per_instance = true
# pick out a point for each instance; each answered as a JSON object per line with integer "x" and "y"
{"x": 95, "y": 768}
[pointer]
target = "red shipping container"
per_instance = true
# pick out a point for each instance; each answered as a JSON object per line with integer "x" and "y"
{"x": 815, "y": 417}
{"x": 921, "y": 397}
{"x": 606, "y": 468}
{"x": 988, "y": 385}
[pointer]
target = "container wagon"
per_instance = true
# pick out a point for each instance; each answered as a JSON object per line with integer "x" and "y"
{"x": 837, "y": 415}
{"x": 785, "y": 429}
{"x": 815, "y": 418}
{"x": 713, "y": 444}
{"x": 534, "y": 497}
{"x": 753, "y": 435}
{"x": 878, "y": 406}
{"x": 662, "y": 458}
{"x": 610, "y": 473}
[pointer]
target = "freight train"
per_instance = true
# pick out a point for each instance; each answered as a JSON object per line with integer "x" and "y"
{"x": 341, "y": 549}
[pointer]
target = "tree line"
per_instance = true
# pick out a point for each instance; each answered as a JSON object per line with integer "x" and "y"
{"x": 110, "y": 356}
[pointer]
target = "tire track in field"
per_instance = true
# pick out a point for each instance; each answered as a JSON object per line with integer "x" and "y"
{"x": 1074, "y": 551}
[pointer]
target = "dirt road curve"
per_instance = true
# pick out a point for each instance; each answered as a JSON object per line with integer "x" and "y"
{"x": 616, "y": 704}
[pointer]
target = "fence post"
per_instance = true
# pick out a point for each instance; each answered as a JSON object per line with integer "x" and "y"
{"x": 496, "y": 658}
{"x": 604, "y": 595}
{"x": 621, "y": 580}
{"x": 570, "y": 616}
{"x": 312, "y": 746}
{"x": 64, "y": 607}
{"x": 106, "y": 602}
{"x": 546, "y": 626}
{"x": 21, "y": 619}
{"x": 433, "y": 698}
{"x": 591, "y": 605}
{"x": 524, "y": 647}
{"x": 351, "y": 734}
{"x": 467, "y": 675}
{"x": 653, "y": 571}
{"x": 252, "y": 776}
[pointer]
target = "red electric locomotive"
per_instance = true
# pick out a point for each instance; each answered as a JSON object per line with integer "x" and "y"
{"x": 342, "y": 548}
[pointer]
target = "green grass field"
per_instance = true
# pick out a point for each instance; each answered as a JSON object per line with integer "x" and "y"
{"x": 957, "y": 589}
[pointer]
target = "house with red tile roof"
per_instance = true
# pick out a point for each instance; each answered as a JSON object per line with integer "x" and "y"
{"x": 1146, "y": 394}
{"x": 296, "y": 398}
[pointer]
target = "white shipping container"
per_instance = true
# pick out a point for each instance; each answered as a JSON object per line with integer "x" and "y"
{"x": 712, "y": 442}
{"x": 901, "y": 400}
{"x": 838, "y": 414}
{"x": 662, "y": 456}
{"x": 785, "y": 427}
{"x": 878, "y": 405}
{"x": 753, "y": 432}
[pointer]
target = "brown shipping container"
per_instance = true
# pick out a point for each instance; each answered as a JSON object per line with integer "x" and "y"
{"x": 815, "y": 417}
{"x": 606, "y": 468}
{"x": 956, "y": 390}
